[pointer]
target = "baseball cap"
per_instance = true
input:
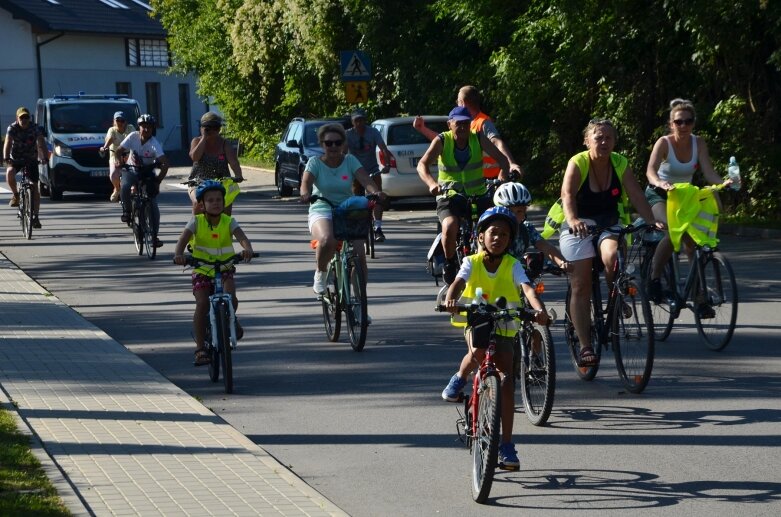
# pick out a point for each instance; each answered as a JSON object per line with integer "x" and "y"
{"x": 119, "y": 114}
{"x": 22, "y": 111}
{"x": 358, "y": 113}
{"x": 459, "y": 113}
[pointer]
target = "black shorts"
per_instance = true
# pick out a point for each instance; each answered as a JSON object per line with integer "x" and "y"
{"x": 458, "y": 206}
{"x": 32, "y": 168}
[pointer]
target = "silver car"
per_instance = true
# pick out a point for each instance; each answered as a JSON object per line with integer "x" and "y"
{"x": 408, "y": 146}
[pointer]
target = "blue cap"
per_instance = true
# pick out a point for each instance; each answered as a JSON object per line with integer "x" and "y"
{"x": 459, "y": 113}
{"x": 119, "y": 114}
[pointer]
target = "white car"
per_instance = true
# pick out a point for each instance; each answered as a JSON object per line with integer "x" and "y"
{"x": 408, "y": 146}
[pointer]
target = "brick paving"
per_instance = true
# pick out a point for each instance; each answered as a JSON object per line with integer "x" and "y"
{"x": 121, "y": 439}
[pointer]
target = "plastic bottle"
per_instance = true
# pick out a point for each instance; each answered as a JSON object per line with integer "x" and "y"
{"x": 734, "y": 173}
{"x": 478, "y": 296}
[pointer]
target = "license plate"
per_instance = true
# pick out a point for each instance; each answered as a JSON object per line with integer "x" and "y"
{"x": 413, "y": 162}
{"x": 98, "y": 173}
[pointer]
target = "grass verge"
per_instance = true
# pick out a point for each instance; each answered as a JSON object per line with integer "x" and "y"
{"x": 256, "y": 162}
{"x": 24, "y": 487}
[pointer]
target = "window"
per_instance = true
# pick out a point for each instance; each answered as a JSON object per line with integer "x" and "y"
{"x": 124, "y": 89}
{"x": 153, "y": 105}
{"x": 147, "y": 52}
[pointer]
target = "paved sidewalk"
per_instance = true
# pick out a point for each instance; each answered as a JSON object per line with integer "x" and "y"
{"x": 119, "y": 438}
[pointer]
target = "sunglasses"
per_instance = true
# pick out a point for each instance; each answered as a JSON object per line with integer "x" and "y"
{"x": 683, "y": 122}
{"x": 22, "y": 117}
{"x": 120, "y": 120}
{"x": 211, "y": 127}
{"x": 331, "y": 143}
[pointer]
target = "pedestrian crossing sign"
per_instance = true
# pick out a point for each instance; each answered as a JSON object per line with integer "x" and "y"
{"x": 355, "y": 65}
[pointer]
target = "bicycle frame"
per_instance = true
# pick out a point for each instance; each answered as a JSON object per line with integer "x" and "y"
{"x": 215, "y": 299}
{"x": 695, "y": 274}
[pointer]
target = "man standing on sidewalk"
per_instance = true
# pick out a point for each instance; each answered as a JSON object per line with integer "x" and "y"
{"x": 362, "y": 142}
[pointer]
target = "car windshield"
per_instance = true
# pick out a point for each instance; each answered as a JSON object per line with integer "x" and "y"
{"x": 310, "y": 134}
{"x": 87, "y": 117}
{"x": 405, "y": 134}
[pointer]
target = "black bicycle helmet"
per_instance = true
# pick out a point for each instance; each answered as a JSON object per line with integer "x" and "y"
{"x": 498, "y": 212}
{"x": 206, "y": 186}
{"x": 146, "y": 118}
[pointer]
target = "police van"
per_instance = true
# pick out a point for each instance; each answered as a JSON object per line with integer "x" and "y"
{"x": 75, "y": 129}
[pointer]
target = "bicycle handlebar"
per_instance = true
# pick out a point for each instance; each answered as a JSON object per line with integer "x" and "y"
{"x": 626, "y": 230}
{"x": 196, "y": 262}
{"x": 195, "y": 183}
{"x": 313, "y": 198}
{"x": 523, "y": 313}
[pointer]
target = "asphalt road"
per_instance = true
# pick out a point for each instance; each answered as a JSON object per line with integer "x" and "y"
{"x": 369, "y": 430}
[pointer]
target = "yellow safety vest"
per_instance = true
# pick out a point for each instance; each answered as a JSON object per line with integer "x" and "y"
{"x": 556, "y": 213}
{"x": 231, "y": 190}
{"x": 212, "y": 243}
{"x": 501, "y": 284}
{"x": 695, "y": 211}
{"x": 470, "y": 180}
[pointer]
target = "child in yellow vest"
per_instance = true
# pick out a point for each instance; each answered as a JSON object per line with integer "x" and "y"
{"x": 497, "y": 273}
{"x": 211, "y": 236}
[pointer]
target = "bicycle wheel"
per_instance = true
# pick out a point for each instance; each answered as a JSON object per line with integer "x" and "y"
{"x": 137, "y": 225}
{"x": 632, "y": 334}
{"x": 214, "y": 355}
{"x": 586, "y": 373}
{"x": 355, "y": 305}
{"x": 538, "y": 373}
{"x": 223, "y": 328}
{"x": 150, "y": 236}
{"x": 485, "y": 443}
{"x": 26, "y": 212}
{"x": 661, "y": 313}
{"x": 720, "y": 295}
{"x": 332, "y": 316}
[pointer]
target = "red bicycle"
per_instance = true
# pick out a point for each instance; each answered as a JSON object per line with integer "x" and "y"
{"x": 479, "y": 426}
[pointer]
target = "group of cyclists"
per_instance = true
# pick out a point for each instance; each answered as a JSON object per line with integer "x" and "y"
{"x": 597, "y": 190}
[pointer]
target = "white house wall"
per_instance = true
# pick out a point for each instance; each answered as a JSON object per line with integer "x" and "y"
{"x": 18, "y": 80}
{"x": 91, "y": 64}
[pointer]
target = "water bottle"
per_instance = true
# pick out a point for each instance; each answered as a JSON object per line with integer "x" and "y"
{"x": 734, "y": 173}
{"x": 478, "y": 296}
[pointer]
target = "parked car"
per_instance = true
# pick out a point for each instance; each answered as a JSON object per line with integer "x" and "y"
{"x": 297, "y": 144}
{"x": 407, "y": 146}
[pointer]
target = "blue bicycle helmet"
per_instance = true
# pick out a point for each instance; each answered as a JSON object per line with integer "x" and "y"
{"x": 206, "y": 186}
{"x": 498, "y": 212}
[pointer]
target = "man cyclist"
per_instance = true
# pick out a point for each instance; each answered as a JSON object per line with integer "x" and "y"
{"x": 469, "y": 97}
{"x": 362, "y": 142}
{"x": 460, "y": 158}
{"x": 24, "y": 146}
{"x": 144, "y": 149}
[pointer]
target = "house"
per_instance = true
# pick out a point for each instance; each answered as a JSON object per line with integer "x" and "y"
{"x": 94, "y": 46}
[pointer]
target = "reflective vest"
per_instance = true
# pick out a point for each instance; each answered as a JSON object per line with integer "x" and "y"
{"x": 556, "y": 213}
{"x": 212, "y": 243}
{"x": 501, "y": 284}
{"x": 470, "y": 180}
{"x": 491, "y": 167}
{"x": 694, "y": 211}
{"x": 231, "y": 190}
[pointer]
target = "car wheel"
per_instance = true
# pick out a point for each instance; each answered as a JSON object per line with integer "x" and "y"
{"x": 55, "y": 194}
{"x": 283, "y": 188}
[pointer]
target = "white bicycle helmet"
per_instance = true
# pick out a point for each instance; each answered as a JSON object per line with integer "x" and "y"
{"x": 512, "y": 194}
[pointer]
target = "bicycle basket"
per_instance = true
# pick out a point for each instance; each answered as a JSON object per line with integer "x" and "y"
{"x": 482, "y": 326}
{"x": 351, "y": 224}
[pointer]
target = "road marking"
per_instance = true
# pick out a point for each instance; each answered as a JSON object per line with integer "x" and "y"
{"x": 5, "y": 190}
{"x": 177, "y": 185}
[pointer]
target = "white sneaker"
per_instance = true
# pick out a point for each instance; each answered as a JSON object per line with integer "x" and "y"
{"x": 319, "y": 285}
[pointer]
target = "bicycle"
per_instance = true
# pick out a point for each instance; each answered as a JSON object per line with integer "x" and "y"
{"x": 625, "y": 324}
{"x": 142, "y": 210}
{"x": 478, "y": 426}
{"x": 710, "y": 286}
{"x": 221, "y": 338}
{"x": 345, "y": 279}
{"x": 534, "y": 359}
{"x": 27, "y": 209}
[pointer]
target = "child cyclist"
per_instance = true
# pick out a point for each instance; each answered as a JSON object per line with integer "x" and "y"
{"x": 497, "y": 273}
{"x": 517, "y": 198}
{"x": 210, "y": 235}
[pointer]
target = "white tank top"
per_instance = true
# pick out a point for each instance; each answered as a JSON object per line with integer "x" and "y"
{"x": 672, "y": 170}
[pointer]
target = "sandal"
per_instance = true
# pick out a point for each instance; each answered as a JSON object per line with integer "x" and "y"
{"x": 201, "y": 357}
{"x": 588, "y": 357}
